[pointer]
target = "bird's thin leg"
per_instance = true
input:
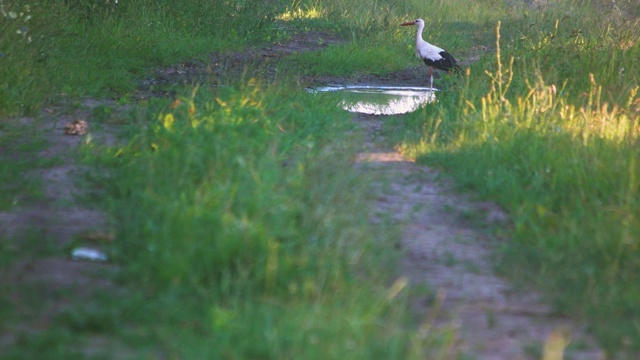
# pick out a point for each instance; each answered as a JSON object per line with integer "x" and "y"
{"x": 431, "y": 77}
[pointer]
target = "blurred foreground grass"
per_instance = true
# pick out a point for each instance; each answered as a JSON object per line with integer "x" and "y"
{"x": 243, "y": 202}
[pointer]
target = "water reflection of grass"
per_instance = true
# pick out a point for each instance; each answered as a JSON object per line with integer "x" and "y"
{"x": 383, "y": 100}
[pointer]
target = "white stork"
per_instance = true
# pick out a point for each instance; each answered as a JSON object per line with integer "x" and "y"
{"x": 433, "y": 56}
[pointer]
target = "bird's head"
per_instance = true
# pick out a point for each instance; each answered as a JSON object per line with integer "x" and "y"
{"x": 415, "y": 22}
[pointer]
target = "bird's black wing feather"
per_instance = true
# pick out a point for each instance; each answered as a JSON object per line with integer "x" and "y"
{"x": 446, "y": 63}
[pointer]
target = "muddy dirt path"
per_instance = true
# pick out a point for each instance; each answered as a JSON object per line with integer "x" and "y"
{"x": 490, "y": 319}
{"x": 44, "y": 280}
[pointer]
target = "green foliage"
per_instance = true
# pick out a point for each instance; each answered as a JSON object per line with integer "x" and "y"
{"x": 548, "y": 127}
{"x": 349, "y": 60}
{"x": 336, "y": 327}
{"x": 239, "y": 218}
{"x": 238, "y": 177}
{"x": 245, "y": 199}
{"x": 22, "y": 78}
{"x": 54, "y": 48}
{"x": 17, "y": 144}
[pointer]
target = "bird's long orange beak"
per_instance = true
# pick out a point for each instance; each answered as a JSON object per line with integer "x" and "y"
{"x": 408, "y": 23}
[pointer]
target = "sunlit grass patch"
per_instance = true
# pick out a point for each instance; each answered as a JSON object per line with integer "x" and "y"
{"x": 560, "y": 152}
{"x": 311, "y": 12}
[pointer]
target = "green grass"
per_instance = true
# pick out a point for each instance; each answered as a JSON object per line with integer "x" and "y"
{"x": 55, "y": 49}
{"x": 240, "y": 220}
{"x": 377, "y": 45}
{"x": 18, "y": 143}
{"x": 548, "y": 127}
{"x": 242, "y": 203}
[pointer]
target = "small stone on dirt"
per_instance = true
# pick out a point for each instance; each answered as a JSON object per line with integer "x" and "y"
{"x": 83, "y": 253}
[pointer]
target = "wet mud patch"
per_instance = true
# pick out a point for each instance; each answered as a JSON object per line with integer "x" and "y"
{"x": 260, "y": 62}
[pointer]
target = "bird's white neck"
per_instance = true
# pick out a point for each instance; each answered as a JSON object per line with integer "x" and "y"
{"x": 419, "y": 33}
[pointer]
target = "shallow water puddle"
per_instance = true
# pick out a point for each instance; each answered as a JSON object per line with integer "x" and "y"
{"x": 380, "y": 100}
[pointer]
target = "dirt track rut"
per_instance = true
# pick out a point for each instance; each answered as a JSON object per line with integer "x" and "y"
{"x": 490, "y": 319}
